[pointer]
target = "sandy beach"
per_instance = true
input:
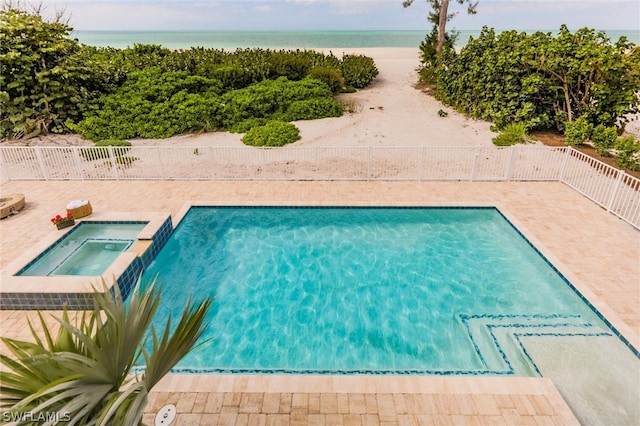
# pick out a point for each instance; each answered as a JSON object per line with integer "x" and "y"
{"x": 392, "y": 111}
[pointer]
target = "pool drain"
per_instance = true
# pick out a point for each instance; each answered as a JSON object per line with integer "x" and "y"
{"x": 166, "y": 415}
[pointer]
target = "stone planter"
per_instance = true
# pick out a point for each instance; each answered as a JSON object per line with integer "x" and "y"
{"x": 65, "y": 224}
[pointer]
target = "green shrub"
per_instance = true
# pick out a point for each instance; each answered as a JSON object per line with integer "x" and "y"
{"x": 628, "y": 152}
{"x": 101, "y": 150}
{"x": 358, "y": 70}
{"x": 512, "y": 134}
{"x": 271, "y": 99}
{"x": 49, "y": 82}
{"x": 317, "y": 59}
{"x": 113, "y": 142}
{"x": 142, "y": 56}
{"x": 246, "y": 125}
{"x": 153, "y": 104}
{"x": 604, "y": 138}
{"x": 290, "y": 66}
{"x": 428, "y": 58}
{"x": 232, "y": 77}
{"x": 310, "y": 109}
{"x": 329, "y": 76}
{"x": 578, "y": 131}
{"x": 274, "y": 133}
{"x": 126, "y": 160}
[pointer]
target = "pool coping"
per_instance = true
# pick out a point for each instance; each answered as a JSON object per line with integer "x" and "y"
{"x": 361, "y": 400}
{"x": 328, "y": 383}
{"x": 69, "y": 285}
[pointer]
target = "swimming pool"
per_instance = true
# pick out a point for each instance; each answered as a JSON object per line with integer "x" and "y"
{"x": 368, "y": 290}
{"x": 87, "y": 250}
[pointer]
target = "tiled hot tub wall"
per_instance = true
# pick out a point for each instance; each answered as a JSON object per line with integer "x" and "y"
{"x": 127, "y": 281}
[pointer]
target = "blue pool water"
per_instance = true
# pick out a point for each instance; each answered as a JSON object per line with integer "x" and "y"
{"x": 87, "y": 250}
{"x": 367, "y": 290}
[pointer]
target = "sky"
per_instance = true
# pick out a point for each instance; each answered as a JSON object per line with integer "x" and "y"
{"x": 293, "y": 15}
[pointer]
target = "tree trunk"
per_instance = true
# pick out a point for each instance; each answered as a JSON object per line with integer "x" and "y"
{"x": 567, "y": 100}
{"x": 442, "y": 23}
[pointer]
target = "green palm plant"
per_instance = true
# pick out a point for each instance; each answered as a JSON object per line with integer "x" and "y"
{"x": 83, "y": 373}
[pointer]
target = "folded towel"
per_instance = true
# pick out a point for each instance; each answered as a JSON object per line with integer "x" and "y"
{"x": 77, "y": 203}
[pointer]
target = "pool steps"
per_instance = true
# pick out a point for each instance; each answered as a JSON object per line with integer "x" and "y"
{"x": 497, "y": 338}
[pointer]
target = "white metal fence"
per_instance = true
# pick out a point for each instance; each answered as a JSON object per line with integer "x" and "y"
{"x": 611, "y": 188}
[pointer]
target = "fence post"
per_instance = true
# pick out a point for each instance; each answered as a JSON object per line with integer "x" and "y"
{"x": 475, "y": 163}
{"x": 421, "y": 164}
{"x": 41, "y": 164}
{"x": 563, "y": 168}
{"x": 369, "y": 164}
{"x": 510, "y": 164}
{"x": 614, "y": 193}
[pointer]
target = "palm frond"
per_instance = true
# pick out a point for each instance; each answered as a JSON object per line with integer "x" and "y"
{"x": 126, "y": 407}
{"x": 84, "y": 368}
{"x": 169, "y": 350}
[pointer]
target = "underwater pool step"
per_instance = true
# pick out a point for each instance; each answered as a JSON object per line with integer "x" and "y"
{"x": 496, "y": 338}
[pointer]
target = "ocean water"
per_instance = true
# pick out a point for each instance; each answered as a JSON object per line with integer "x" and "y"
{"x": 279, "y": 39}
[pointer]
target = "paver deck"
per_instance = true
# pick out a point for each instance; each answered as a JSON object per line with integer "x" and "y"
{"x": 599, "y": 254}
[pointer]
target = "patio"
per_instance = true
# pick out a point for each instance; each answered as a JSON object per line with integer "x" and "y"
{"x": 595, "y": 250}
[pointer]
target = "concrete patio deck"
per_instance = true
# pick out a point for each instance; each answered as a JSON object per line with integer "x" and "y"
{"x": 596, "y": 251}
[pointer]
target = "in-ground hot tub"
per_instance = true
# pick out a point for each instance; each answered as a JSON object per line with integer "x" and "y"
{"x": 62, "y": 270}
{"x": 87, "y": 250}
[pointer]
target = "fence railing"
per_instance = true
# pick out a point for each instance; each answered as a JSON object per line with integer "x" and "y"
{"x": 611, "y": 188}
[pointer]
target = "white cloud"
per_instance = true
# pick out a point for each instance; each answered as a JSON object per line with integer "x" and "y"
{"x": 341, "y": 14}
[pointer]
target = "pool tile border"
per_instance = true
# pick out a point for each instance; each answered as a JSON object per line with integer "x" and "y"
{"x": 585, "y": 300}
{"x": 600, "y": 309}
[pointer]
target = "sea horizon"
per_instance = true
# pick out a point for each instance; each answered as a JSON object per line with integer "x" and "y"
{"x": 305, "y": 39}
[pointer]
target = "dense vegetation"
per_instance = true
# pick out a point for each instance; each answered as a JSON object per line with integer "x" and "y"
{"x": 41, "y": 81}
{"x": 51, "y": 83}
{"x": 542, "y": 80}
{"x": 571, "y": 82}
